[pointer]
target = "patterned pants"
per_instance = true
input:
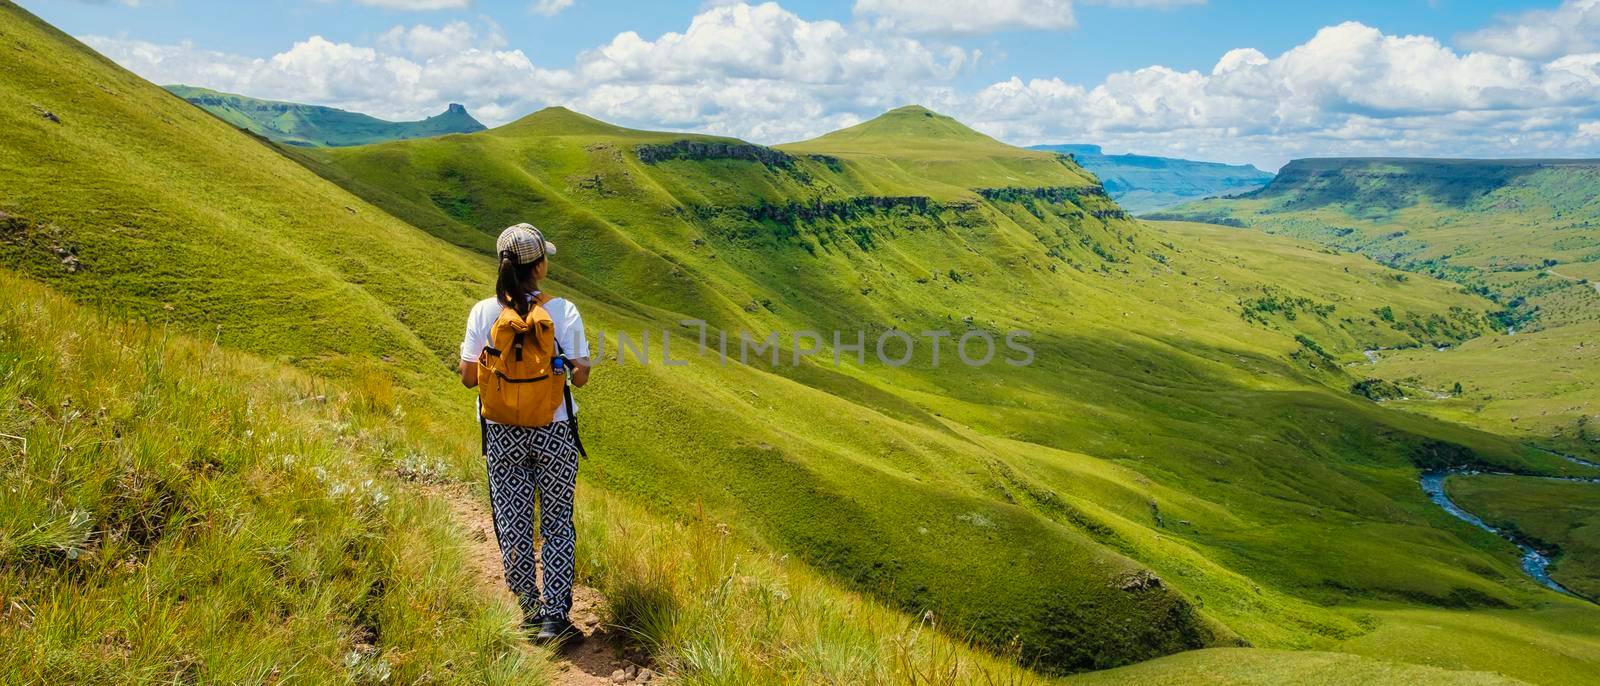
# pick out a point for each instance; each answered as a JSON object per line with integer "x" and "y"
{"x": 528, "y": 466}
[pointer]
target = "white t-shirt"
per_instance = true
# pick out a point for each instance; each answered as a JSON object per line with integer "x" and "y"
{"x": 568, "y": 326}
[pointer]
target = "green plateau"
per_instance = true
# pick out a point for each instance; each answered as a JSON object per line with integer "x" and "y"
{"x": 228, "y": 368}
{"x": 313, "y": 126}
{"x": 1146, "y": 183}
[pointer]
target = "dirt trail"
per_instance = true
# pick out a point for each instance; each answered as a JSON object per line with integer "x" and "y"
{"x": 1573, "y": 278}
{"x": 601, "y": 657}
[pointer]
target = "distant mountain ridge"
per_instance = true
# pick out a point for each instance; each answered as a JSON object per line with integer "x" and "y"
{"x": 1142, "y": 183}
{"x": 1396, "y": 182}
{"x": 1495, "y": 226}
{"x": 316, "y": 126}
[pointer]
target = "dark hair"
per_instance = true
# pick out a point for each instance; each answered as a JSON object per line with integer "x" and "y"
{"x": 516, "y": 282}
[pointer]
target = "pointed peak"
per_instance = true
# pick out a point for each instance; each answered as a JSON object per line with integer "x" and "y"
{"x": 909, "y": 129}
{"x": 560, "y": 121}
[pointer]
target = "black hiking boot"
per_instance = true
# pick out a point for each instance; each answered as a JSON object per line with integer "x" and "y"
{"x": 531, "y": 624}
{"x": 557, "y": 629}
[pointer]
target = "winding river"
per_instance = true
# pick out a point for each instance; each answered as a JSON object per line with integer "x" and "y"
{"x": 1535, "y": 563}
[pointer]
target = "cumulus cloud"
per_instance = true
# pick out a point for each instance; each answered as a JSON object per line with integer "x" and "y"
{"x": 986, "y": 16}
{"x": 760, "y": 72}
{"x": 1574, "y": 27}
{"x": 424, "y": 42}
{"x": 1349, "y": 90}
{"x": 411, "y": 73}
{"x": 766, "y": 74}
{"x": 549, "y": 8}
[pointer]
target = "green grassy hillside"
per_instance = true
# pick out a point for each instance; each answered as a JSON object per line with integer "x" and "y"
{"x": 1180, "y": 467}
{"x": 1157, "y": 351}
{"x": 1561, "y": 517}
{"x": 1542, "y": 386}
{"x": 175, "y": 511}
{"x": 218, "y": 517}
{"x": 310, "y": 125}
{"x": 1519, "y": 231}
{"x": 1142, "y": 183}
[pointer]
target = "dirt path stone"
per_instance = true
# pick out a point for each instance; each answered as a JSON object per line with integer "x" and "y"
{"x": 601, "y": 657}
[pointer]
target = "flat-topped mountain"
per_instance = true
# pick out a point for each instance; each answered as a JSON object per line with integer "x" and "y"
{"x": 316, "y": 126}
{"x": 1142, "y": 183}
{"x": 1397, "y": 182}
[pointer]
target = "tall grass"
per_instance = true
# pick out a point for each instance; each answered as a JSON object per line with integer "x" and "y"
{"x": 172, "y": 511}
{"x": 715, "y": 611}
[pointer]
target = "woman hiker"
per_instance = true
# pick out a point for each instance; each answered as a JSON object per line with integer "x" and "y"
{"x": 521, "y": 350}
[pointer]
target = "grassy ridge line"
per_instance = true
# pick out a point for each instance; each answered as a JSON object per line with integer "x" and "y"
{"x": 166, "y": 209}
{"x": 179, "y": 511}
{"x": 297, "y": 124}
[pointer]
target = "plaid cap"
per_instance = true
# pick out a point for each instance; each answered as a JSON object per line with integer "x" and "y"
{"x": 526, "y": 242}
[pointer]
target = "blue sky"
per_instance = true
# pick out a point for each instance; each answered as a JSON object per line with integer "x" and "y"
{"x": 1482, "y": 78}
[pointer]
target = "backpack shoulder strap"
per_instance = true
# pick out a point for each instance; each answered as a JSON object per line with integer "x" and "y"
{"x": 572, "y": 415}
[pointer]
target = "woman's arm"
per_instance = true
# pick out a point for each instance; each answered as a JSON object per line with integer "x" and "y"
{"x": 469, "y": 373}
{"x": 580, "y": 371}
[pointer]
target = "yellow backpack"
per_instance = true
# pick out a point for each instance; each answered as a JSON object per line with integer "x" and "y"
{"x": 517, "y": 384}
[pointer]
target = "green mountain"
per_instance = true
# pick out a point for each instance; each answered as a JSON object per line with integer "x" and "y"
{"x": 1143, "y": 183}
{"x": 1521, "y": 232}
{"x": 1157, "y": 350}
{"x": 1500, "y": 227}
{"x": 255, "y": 479}
{"x": 314, "y": 126}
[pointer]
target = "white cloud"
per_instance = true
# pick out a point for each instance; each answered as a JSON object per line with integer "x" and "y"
{"x": 968, "y": 16}
{"x": 412, "y": 73}
{"x": 985, "y": 16}
{"x": 549, "y": 8}
{"x": 1573, "y": 27}
{"x": 1349, "y": 90}
{"x": 765, "y": 74}
{"x": 423, "y": 41}
{"x": 415, "y": 5}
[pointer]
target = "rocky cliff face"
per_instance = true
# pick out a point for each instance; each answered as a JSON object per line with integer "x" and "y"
{"x": 713, "y": 150}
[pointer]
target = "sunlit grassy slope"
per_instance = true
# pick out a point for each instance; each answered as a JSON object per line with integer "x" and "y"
{"x": 1180, "y": 467}
{"x": 177, "y": 512}
{"x": 1179, "y": 411}
{"x": 1521, "y": 231}
{"x": 1543, "y": 385}
{"x": 180, "y": 511}
{"x": 1560, "y": 517}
